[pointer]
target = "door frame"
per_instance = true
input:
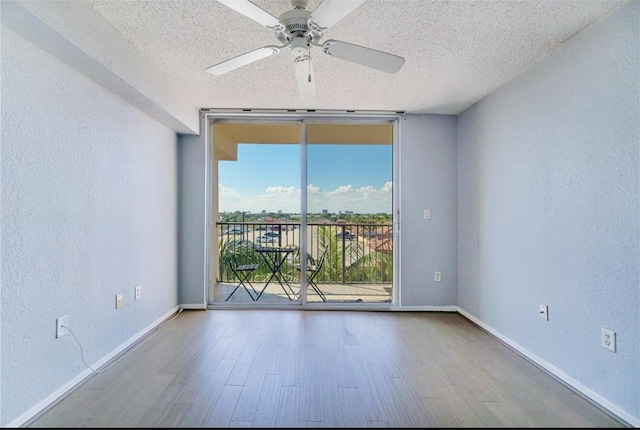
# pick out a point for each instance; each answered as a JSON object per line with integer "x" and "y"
{"x": 212, "y": 116}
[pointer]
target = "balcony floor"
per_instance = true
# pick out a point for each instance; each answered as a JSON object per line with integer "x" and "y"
{"x": 334, "y": 293}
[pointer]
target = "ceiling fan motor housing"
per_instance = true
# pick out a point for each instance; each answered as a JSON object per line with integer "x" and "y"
{"x": 296, "y": 30}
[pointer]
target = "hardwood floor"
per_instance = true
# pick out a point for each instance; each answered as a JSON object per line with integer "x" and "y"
{"x": 296, "y": 368}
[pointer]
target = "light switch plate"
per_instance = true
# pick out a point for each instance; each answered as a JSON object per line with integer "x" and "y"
{"x": 426, "y": 214}
{"x": 544, "y": 312}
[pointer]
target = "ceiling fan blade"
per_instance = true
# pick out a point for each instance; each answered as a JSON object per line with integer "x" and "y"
{"x": 243, "y": 60}
{"x": 366, "y": 56}
{"x": 331, "y": 11}
{"x": 304, "y": 76}
{"x": 250, "y": 10}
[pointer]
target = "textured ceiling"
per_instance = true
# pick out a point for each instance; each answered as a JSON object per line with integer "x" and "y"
{"x": 456, "y": 52}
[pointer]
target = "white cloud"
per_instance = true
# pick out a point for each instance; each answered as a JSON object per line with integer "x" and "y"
{"x": 367, "y": 199}
{"x": 282, "y": 191}
{"x": 312, "y": 189}
{"x": 227, "y": 192}
{"x": 342, "y": 189}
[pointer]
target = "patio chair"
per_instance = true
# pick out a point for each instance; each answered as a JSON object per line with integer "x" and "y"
{"x": 312, "y": 272}
{"x": 242, "y": 272}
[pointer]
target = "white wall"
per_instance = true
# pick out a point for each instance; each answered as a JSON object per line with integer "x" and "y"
{"x": 89, "y": 186}
{"x": 428, "y": 181}
{"x": 549, "y": 203}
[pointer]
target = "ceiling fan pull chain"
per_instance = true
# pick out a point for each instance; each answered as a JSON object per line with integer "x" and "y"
{"x": 309, "y": 54}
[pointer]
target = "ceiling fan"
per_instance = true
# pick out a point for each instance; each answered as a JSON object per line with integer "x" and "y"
{"x": 300, "y": 30}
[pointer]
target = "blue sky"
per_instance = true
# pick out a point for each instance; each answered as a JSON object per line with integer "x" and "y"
{"x": 341, "y": 178}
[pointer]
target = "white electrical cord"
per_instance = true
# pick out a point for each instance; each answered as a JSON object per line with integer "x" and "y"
{"x": 128, "y": 353}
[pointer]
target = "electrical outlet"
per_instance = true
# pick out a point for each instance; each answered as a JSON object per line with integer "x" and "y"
{"x": 138, "y": 292}
{"x": 544, "y": 312}
{"x": 118, "y": 301}
{"x": 426, "y": 214}
{"x": 61, "y": 326}
{"x": 437, "y": 276}
{"x": 608, "y": 339}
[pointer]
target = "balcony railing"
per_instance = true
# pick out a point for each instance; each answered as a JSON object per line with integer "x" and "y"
{"x": 355, "y": 253}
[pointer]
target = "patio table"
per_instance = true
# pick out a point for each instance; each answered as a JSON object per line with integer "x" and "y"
{"x": 274, "y": 257}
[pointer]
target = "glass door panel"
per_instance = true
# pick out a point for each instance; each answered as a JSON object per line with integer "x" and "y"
{"x": 257, "y": 186}
{"x": 349, "y": 170}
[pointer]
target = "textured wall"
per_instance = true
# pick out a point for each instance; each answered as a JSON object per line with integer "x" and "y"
{"x": 77, "y": 35}
{"x": 191, "y": 199}
{"x": 548, "y": 189}
{"x": 428, "y": 181}
{"x": 89, "y": 210}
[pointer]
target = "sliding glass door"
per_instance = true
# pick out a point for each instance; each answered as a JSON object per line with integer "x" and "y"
{"x": 303, "y": 212}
